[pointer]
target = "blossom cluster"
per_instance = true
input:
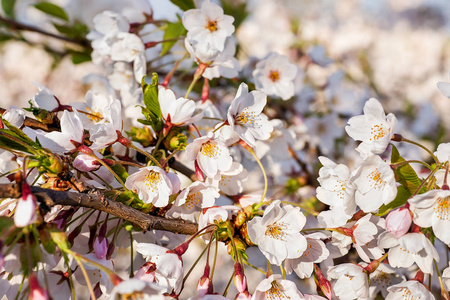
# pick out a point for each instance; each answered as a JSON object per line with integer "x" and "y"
{"x": 231, "y": 150}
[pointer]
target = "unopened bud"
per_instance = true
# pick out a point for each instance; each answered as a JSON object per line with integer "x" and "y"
{"x": 36, "y": 291}
{"x": 398, "y": 222}
{"x": 240, "y": 281}
{"x": 322, "y": 282}
{"x": 146, "y": 272}
{"x": 100, "y": 247}
{"x": 144, "y": 135}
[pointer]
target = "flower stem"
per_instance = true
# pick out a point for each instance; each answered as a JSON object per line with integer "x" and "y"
{"x": 261, "y": 202}
{"x": 444, "y": 293}
{"x": 198, "y": 73}
{"x": 88, "y": 282}
{"x": 423, "y": 147}
{"x": 146, "y": 154}
{"x": 402, "y": 163}
{"x": 110, "y": 170}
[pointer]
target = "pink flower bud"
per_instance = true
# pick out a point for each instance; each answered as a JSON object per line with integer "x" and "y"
{"x": 36, "y": 291}
{"x": 398, "y": 222}
{"x": 240, "y": 281}
{"x": 146, "y": 272}
{"x": 243, "y": 296}
{"x": 85, "y": 163}
{"x": 100, "y": 247}
{"x": 26, "y": 208}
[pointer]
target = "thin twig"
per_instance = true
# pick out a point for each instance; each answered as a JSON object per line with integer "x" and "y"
{"x": 20, "y": 26}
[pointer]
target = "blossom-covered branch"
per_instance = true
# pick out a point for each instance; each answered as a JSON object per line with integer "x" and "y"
{"x": 96, "y": 200}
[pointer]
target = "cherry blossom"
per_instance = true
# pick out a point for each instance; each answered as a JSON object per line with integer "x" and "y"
{"x": 409, "y": 249}
{"x": 375, "y": 184}
{"x": 274, "y": 287}
{"x": 374, "y": 129}
{"x": 211, "y": 155}
{"x": 246, "y": 118}
{"x": 71, "y": 130}
{"x": 169, "y": 266}
{"x": 275, "y": 75}
{"x": 191, "y": 200}
{"x": 153, "y": 185}
{"x": 208, "y": 27}
{"x": 351, "y": 281}
{"x": 277, "y": 232}
{"x": 177, "y": 112}
{"x": 411, "y": 289}
{"x": 431, "y": 209}
{"x": 337, "y": 190}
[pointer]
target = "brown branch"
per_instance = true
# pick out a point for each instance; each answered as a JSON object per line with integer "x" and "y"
{"x": 14, "y": 25}
{"x": 35, "y": 124}
{"x": 96, "y": 200}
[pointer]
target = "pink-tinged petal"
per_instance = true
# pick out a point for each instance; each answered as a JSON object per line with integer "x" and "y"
{"x": 25, "y": 213}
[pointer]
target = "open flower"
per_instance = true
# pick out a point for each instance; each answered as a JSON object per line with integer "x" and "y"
{"x": 275, "y": 76}
{"x": 409, "y": 249}
{"x": 71, "y": 130}
{"x": 208, "y": 27}
{"x": 211, "y": 155}
{"x": 274, "y": 287}
{"x": 411, "y": 289}
{"x": 153, "y": 185}
{"x": 178, "y": 112}
{"x": 432, "y": 209}
{"x": 374, "y": 129}
{"x": 277, "y": 232}
{"x": 246, "y": 118}
{"x": 351, "y": 281}
{"x": 375, "y": 184}
{"x": 336, "y": 190}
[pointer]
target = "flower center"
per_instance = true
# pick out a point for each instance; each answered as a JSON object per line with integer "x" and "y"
{"x": 442, "y": 208}
{"x": 210, "y": 150}
{"x": 211, "y": 25}
{"x": 276, "y": 292}
{"x": 382, "y": 279}
{"x": 246, "y": 116}
{"x": 378, "y": 131}
{"x": 275, "y": 231}
{"x": 133, "y": 296}
{"x": 152, "y": 180}
{"x": 274, "y": 75}
{"x": 95, "y": 115}
{"x": 375, "y": 180}
{"x": 192, "y": 200}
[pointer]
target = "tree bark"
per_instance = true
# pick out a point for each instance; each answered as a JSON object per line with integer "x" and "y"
{"x": 96, "y": 200}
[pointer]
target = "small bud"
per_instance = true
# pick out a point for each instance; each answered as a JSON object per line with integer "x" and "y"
{"x": 198, "y": 172}
{"x": 100, "y": 247}
{"x": 204, "y": 285}
{"x": 146, "y": 272}
{"x": 25, "y": 213}
{"x": 240, "y": 281}
{"x": 322, "y": 282}
{"x": 398, "y": 222}
{"x": 178, "y": 142}
{"x": 36, "y": 291}
{"x": 85, "y": 163}
{"x": 144, "y": 135}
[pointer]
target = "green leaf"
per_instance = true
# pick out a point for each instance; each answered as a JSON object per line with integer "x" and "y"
{"x": 151, "y": 96}
{"x": 403, "y": 195}
{"x": 173, "y": 31}
{"x": 8, "y": 7}
{"x": 76, "y": 30}
{"x": 14, "y": 131}
{"x": 5, "y": 223}
{"x": 60, "y": 239}
{"x": 6, "y": 142}
{"x": 120, "y": 171}
{"x": 46, "y": 241}
{"x": 184, "y": 4}
{"x": 405, "y": 174}
{"x": 52, "y": 10}
{"x": 80, "y": 57}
